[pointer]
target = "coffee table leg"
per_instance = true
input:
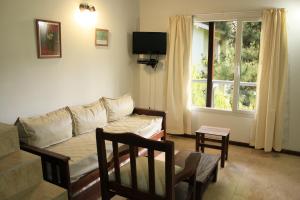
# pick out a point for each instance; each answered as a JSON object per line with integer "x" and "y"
{"x": 223, "y": 151}
{"x": 202, "y": 142}
{"x": 197, "y": 141}
{"x": 227, "y": 144}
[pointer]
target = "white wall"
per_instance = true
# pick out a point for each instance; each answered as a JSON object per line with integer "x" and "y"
{"x": 154, "y": 16}
{"x": 30, "y": 86}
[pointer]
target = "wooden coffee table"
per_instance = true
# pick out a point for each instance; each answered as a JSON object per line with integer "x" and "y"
{"x": 212, "y": 134}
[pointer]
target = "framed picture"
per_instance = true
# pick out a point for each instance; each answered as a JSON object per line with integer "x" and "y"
{"x": 101, "y": 37}
{"x": 48, "y": 38}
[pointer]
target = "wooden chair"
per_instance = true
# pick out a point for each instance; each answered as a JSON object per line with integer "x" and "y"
{"x": 113, "y": 184}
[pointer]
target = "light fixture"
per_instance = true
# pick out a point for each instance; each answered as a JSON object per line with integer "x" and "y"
{"x": 86, "y": 15}
{"x": 85, "y": 6}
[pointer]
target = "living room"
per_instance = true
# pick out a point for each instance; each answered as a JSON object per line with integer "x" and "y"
{"x": 84, "y": 72}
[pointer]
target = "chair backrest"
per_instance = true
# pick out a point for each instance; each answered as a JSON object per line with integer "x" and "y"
{"x": 133, "y": 141}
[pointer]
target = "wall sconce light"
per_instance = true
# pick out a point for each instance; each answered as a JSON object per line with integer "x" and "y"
{"x": 85, "y": 6}
{"x": 86, "y": 15}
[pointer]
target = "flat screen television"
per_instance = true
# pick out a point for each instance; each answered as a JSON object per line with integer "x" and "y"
{"x": 149, "y": 43}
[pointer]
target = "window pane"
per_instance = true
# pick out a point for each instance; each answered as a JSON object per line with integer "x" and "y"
{"x": 224, "y": 50}
{"x": 247, "y": 98}
{"x": 223, "y": 71}
{"x": 199, "y": 93}
{"x": 222, "y": 95}
{"x": 200, "y": 51}
{"x": 199, "y": 63}
{"x": 249, "y": 65}
{"x": 250, "y": 51}
{"x": 224, "y": 64}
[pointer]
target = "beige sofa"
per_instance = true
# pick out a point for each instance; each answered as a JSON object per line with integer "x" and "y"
{"x": 65, "y": 139}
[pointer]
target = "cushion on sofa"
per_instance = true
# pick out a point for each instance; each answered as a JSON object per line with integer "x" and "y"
{"x": 87, "y": 118}
{"x": 143, "y": 177}
{"x": 83, "y": 151}
{"x": 119, "y": 107}
{"x": 142, "y": 125}
{"x": 45, "y": 130}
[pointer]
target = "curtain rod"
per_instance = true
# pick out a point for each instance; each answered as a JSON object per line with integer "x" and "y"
{"x": 247, "y": 15}
{"x": 236, "y": 13}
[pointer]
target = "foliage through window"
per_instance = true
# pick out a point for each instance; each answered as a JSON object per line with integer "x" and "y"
{"x": 225, "y": 58}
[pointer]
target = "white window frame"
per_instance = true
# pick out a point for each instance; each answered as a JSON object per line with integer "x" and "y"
{"x": 240, "y": 17}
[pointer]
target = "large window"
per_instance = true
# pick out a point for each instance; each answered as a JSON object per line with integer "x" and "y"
{"x": 225, "y": 60}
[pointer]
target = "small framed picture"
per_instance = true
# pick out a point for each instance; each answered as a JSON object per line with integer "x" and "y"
{"x": 101, "y": 37}
{"x": 48, "y": 38}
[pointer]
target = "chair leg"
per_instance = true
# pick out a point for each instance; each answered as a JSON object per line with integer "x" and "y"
{"x": 105, "y": 197}
{"x": 199, "y": 190}
{"x": 215, "y": 174}
{"x": 104, "y": 192}
{"x": 192, "y": 188}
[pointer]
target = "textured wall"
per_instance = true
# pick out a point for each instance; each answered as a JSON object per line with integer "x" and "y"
{"x": 30, "y": 86}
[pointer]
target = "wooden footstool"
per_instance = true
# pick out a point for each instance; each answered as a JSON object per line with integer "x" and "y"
{"x": 207, "y": 170}
{"x": 216, "y": 133}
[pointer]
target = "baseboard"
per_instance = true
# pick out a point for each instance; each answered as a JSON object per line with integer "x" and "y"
{"x": 244, "y": 144}
{"x": 241, "y": 144}
{"x": 185, "y": 135}
{"x": 290, "y": 152}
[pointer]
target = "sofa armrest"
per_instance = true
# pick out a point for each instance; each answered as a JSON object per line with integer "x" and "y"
{"x": 43, "y": 152}
{"x": 144, "y": 111}
{"x": 55, "y": 166}
{"x": 191, "y": 161}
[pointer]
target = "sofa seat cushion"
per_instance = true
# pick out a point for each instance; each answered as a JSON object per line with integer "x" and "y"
{"x": 83, "y": 151}
{"x": 143, "y": 177}
{"x": 143, "y": 125}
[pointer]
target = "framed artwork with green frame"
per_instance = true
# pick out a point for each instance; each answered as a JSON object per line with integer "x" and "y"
{"x": 101, "y": 37}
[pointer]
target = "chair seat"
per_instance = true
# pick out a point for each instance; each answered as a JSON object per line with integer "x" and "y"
{"x": 142, "y": 174}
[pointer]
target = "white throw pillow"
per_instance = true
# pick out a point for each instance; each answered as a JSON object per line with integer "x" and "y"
{"x": 118, "y": 108}
{"x": 45, "y": 130}
{"x": 87, "y": 118}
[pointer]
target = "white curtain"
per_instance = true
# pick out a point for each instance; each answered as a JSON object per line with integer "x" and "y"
{"x": 178, "y": 75}
{"x": 272, "y": 78}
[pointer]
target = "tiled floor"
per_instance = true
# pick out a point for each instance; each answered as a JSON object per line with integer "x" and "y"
{"x": 251, "y": 174}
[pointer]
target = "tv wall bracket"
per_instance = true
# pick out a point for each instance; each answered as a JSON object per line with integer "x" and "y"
{"x": 150, "y": 61}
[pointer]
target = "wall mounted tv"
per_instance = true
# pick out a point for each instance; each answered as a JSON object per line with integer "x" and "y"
{"x": 149, "y": 43}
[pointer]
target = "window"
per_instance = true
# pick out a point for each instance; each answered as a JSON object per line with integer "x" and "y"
{"x": 224, "y": 64}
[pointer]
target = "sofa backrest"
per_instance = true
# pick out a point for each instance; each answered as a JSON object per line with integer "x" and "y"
{"x": 119, "y": 107}
{"x": 45, "y": 130}
{"x": 87, "y": 118}
{"x": 58, "y": 126}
